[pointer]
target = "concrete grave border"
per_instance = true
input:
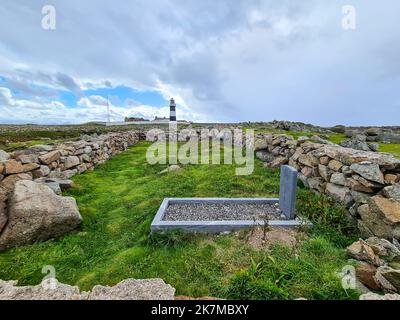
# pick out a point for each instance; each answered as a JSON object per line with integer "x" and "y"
{"x": 286, "y": 203}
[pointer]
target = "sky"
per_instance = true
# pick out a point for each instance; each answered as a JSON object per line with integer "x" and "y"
{"x": 222, "y": 61}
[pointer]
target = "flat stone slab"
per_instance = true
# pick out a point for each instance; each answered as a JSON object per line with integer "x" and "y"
{"x": 221, "y": 211}
{"x": 189, "y": 214}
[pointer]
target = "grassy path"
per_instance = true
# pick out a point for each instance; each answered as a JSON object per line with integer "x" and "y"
{"x": 118, "y": 202}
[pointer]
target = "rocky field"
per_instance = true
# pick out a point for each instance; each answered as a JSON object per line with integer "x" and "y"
{"x": 98, "y": 220}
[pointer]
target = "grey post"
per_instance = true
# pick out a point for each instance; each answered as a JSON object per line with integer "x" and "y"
{"x": 287, "y": 192}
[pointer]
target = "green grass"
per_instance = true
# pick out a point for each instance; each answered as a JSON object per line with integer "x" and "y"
{"x": 390, "y": 147}
{"x": 336, "y": 137}
{"x": 118, "y": 202}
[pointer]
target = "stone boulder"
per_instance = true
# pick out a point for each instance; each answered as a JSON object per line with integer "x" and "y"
{"x": 384, "y": 249}
{"x": 339, "y": 128}
{"x": 51, "y": 289}
{"x": 41, "y": 172}
{"x": 361, "y": 251}
{"x": 55, "y": 184}
{"x": 12, "y": 166}
{"x": 338, "y": 178}
{"x": 131, "y": 289}
{"x": 63, "y": 175}
{"x": 359, "y": 184}
{"x": 36, "y": 213}
{"x": 335, "y": 165}
{"x": 3, "y": 194}
{"x": 349, "y": 156}
{"x": 28, "y": 158}
{"x": 359, "y": 197}
{"x": 43, "y": 291}
{"x": 389, "y": 137}
{"x": 4, "y": 155}
{"x": 50, "y": 157}
{"x": 321, "y": 140}
{"x": 391, "y": 178}
{"x": 373, "y": 146}
{"x": 365, "y": 273}
{"x": 71, "y": 161}
{"x": 359, "y": 142}
{"x": 9, "y": 182}
{"x": 260, "y": 144}
{"x": 3, "y": 215}
{"x": 316, "y": 184}
{"x": 372, "y": 224}
{"x": 375, "y": 296}
{"x": 369, "y": 171}
{"x": 30, "y": 166}
{"x": 392, "y": 192}
{"x": 339, "y": 193}
{"x": 388, "y": 278}
{"x": 388, "y": 209}
{"x": 264, "y": 156}
{"x": 277, "y": 162}
{"x": 308, "y": 160}
{"x": 325, "y": 172}
{"x": 372, "y": 132}
{"x": 377, "y": 263}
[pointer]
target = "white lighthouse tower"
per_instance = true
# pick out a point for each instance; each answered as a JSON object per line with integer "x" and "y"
{"x": 172, "y": 110}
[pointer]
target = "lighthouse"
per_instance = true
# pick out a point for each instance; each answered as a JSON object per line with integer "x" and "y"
{"x": 172, "y": 110}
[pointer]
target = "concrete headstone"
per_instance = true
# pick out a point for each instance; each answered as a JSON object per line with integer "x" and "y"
{"x": 287, "y": 193}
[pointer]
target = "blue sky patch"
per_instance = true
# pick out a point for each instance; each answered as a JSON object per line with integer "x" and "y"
{"x": 68, "y": 98}
{"x": 119, "y": 95}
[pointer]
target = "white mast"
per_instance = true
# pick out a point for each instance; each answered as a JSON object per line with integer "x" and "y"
{"x": 108, "y": 110}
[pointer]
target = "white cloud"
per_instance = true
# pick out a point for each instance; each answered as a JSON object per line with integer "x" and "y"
{"x": 5, "y": 95}
{"x": 92, "y": 102}
{"x": 91, "y": 108}
{"x": 254, "y": 60}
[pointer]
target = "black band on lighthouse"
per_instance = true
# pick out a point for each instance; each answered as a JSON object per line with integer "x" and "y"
{"x": 172, "y": 110}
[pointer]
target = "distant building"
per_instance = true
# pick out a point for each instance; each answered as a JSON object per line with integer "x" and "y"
{"x": 161, "y": 119}
{"x": 171, "y": 118}
{"x": 134, "y": 119}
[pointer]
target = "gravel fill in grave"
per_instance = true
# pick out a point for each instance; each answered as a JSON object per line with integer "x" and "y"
{"x": 223, "y": 211}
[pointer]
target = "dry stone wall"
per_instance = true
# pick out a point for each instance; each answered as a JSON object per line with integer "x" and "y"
{"x": 367, "y": 183}
{"x": 53, "y": 166}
